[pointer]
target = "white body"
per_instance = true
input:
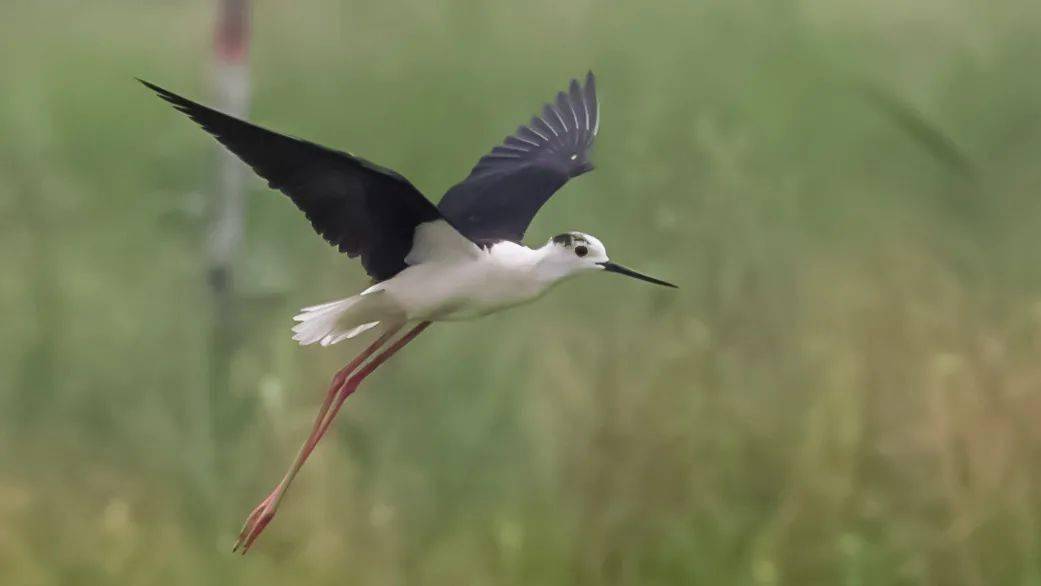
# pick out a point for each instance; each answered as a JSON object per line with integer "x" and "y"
{"x": 502, "y": 276}
{"x": 450, "y": 278}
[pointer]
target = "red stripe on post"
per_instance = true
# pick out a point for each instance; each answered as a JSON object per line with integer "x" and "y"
{"x": 231, "y": 39}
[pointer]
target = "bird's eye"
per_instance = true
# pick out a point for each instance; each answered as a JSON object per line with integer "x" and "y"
{"x": 581, "y": 250}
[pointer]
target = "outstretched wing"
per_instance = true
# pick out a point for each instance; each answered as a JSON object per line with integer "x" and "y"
{"x": 509, "y": 185}
{"x": 363, "y": 209}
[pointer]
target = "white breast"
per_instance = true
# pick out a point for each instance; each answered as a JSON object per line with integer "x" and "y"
{"x": 467, "y": 286}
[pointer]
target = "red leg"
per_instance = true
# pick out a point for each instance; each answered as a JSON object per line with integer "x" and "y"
{"x": 263, "y": 514}
{"x": 352, "y": 385}
{"x": 308, "y": 445}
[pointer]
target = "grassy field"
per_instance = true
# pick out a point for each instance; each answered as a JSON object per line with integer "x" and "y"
{"x": 845, "y": 389}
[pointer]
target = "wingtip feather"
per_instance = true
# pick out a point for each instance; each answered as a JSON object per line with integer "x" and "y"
{"x": 162, "y": 92}
{"x": 179, "y": 103}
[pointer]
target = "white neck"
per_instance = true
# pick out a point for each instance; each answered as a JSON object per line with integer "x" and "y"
{"x": 550, "y": 267}
{"x": 543, "y": 264}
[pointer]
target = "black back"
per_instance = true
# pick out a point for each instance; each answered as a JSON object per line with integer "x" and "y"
{"x": 506, "y": 188}
{"x": 361, "y": 208}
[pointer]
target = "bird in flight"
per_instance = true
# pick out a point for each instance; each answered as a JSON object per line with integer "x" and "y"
{"x": 460, "y": 259}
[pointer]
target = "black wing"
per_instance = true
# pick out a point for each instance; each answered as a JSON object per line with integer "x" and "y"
{"x": 509, "y": 185}
{"x": 362, "y": 208}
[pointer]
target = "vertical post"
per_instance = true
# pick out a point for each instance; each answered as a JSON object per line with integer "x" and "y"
{"x": 231, "y": 86}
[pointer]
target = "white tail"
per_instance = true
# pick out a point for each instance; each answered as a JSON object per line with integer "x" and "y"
{"x": 340, "y": 320}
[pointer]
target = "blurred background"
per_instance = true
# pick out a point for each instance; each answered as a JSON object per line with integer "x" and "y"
{"x": 844, "y": 390}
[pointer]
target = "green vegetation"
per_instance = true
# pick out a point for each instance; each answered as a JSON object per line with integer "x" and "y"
{"x": 845, "y": 389}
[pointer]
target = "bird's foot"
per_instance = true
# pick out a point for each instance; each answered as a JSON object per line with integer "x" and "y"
{"x": 256, "y": 522}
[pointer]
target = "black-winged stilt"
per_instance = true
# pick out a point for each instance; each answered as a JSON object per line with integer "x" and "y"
{"x": 460, "y": 259}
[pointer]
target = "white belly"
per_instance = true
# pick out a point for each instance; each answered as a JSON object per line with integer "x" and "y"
{"x": 468, "y": 288}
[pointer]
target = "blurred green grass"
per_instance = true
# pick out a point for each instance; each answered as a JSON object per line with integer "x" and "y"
{"x": 843, "y": 391}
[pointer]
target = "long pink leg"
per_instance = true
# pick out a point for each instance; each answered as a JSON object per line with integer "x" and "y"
{"x": 260, "y": 518}
{"x": 352, "y": 385}
{"x": 312, "y": 439}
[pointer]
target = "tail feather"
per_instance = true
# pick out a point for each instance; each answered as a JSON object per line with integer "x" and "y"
{"x": 331, "y": 339}
{"x": 335, "y": 321}
{"x": 322, "y": 306}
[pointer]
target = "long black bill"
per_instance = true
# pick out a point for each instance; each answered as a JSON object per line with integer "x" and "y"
{"x": 617, "y": 268}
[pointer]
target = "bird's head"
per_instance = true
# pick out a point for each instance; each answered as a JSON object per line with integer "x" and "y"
{"x": 572, "y": 253}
